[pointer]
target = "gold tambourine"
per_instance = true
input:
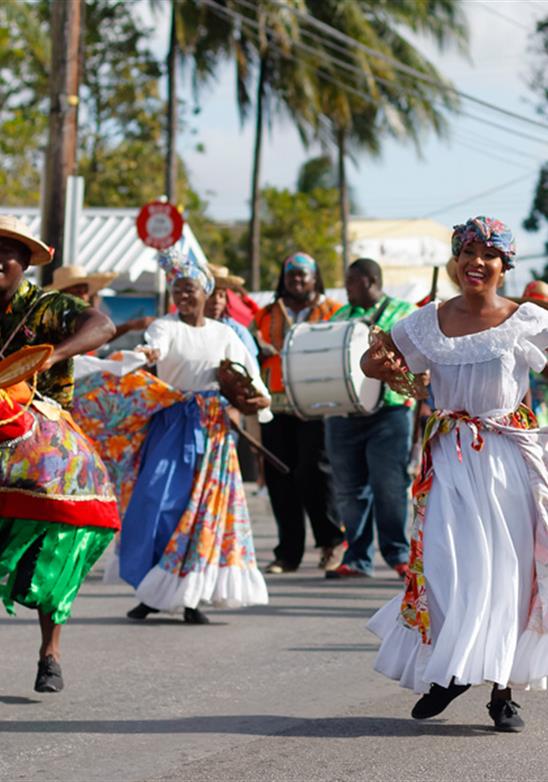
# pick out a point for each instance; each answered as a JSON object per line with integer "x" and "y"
{"x": 23, "y": 364}
{"x": 404, "y": 381}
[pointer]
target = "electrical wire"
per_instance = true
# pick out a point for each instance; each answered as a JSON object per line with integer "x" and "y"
{"x": 326, "y": 76}
{"x": 500, "y": 15}
{"x": 334, "y": 33}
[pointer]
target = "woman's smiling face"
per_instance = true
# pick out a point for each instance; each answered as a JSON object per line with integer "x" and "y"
{"x": 479, "y": 268}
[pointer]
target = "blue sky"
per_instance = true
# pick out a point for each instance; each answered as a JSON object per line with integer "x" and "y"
{"x": 477, "y": 157}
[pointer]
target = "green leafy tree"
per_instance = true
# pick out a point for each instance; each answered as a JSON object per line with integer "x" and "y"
{"x": 293, "y": 221}
{"x": 24, "y": 61}
{"x": 121, "y": 116}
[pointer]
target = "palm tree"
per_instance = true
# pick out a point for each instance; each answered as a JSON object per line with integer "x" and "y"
{"x": 265, "y": 53}
{"x": 197, "y": 37}
{"x": 364, "y": 97}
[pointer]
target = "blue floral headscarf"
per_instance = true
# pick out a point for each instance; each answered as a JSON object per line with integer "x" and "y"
{"x": 300, "y": 262}
{"x": 179, "y": 265}
{"x": 493, "y": 233}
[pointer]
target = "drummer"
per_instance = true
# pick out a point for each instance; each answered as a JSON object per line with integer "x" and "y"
{"x": 299, "y": 297}
{"x": 369, "y": 454}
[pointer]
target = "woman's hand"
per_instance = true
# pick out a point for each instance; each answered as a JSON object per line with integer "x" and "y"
{"x": 384, "y": 362}
{"x": 251, "y": 405}
{"x": 151, "y": 354}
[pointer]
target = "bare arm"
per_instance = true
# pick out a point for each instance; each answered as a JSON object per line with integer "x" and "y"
{"x": 93, "y": 329}
{"x": 135, "y": 324}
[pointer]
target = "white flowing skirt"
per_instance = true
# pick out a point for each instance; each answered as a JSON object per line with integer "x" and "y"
{"x": 479, "y": 568}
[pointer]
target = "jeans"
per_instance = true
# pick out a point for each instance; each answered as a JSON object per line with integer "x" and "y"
{"x": 308, "y": 487}
{"x": 369, "y": 458}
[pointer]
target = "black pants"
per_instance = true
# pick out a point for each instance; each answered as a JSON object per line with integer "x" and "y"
{"x": 307, "y": 489}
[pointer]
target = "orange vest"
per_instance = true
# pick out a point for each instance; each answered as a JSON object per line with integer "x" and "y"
{"x": 272, "y": 326}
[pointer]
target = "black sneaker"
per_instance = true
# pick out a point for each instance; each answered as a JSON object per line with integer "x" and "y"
{"x": 192, "y": 616}
{"x": 435, "y": 701}
{"x": 49, "y": 677}
{"x": 141, "y": 612}
{"x": 504, "y": 714}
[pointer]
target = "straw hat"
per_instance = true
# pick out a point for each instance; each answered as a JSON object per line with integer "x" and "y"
{"x": 535, "y": 292}
{"x": 223, "y": 278}
{"x": 67, "y": 276}
{"x": 13, "y": 228}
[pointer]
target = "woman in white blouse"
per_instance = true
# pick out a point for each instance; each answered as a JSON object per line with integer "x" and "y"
{"x": 475, "y": 607}
{"x": 186, "y": 535}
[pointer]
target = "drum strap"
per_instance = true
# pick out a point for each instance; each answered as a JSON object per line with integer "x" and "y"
{"x": 379, "y": 313}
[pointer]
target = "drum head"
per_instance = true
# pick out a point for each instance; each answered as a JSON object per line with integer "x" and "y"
{"x": 367, "y": 390}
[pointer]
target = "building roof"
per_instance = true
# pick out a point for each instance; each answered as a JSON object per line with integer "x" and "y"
{"x": 108, "y": 241}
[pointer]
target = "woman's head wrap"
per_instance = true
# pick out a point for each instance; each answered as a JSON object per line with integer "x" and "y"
{"x": 300, "y": 262}
{"x": 491, "y": 232}
{"x": 179, "y": 265}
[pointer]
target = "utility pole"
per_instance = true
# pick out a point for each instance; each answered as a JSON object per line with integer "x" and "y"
{"x": 66, "y": 54}
{"x": 171, "y": 156}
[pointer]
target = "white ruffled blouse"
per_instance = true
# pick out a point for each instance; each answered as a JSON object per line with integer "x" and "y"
{"x": 485, "y": 373}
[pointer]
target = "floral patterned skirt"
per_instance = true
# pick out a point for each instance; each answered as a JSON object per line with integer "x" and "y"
{"x": 186, "y": 535}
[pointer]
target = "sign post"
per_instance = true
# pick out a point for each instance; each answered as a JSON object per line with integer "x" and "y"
{"x": 159, "y": 224}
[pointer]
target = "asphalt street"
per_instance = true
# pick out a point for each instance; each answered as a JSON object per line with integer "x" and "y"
{"x": 282, "y": 693}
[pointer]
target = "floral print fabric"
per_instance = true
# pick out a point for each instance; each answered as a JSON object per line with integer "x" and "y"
{"x": 52, "y": 319}
{"x": 115, "y": 412}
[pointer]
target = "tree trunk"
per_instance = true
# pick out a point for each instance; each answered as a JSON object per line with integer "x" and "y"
{"x": 171, "y": 153}
{"x": 343, "y": 198}
{"x": 66, "y": 53}
{"x": 255, "y": 220}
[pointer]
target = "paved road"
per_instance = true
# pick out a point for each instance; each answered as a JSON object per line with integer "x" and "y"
{"x": 284, "y": 693}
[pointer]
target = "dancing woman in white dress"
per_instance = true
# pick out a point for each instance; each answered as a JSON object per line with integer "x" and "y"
{"x": 475, "y": 607}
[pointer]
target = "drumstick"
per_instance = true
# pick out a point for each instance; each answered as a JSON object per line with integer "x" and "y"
{"x": 272, "y": 458}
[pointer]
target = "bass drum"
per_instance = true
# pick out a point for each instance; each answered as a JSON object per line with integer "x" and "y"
{"x": 321, "y": 370}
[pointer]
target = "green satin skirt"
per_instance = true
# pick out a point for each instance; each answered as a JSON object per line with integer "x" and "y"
{"x": 43, "y": 564}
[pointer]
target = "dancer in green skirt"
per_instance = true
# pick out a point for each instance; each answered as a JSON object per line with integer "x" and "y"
{"x": 58, "y": 512}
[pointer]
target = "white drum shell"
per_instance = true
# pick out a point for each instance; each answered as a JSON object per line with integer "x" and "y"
{"x": 321, "y": 370}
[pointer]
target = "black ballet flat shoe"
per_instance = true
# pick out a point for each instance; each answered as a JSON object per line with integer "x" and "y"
{"x": 192, "y": 616}
{"x": 435, "y": 701}
{"x": 141, "y": 612}
{"x": 504, "y": 714}
{"x": 49, "y": 677}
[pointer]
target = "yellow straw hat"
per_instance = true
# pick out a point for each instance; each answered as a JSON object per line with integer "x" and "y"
{"x": 67, "y": 276}
{"x": 223, "y": 277}
{"x": 13, "y": 228}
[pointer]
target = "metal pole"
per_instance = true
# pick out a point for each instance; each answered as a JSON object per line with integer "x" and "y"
{"x": 73, "y": 212}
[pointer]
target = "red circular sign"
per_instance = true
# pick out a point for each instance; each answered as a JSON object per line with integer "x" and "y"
{"x": 159, "y": 224}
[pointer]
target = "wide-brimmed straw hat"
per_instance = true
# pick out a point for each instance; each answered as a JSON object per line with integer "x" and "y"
{"x": 223, "y": 277}
{"x": 67, "y": 276}
{"x": 535, "y": 291}
{"x": 13, "y": 228}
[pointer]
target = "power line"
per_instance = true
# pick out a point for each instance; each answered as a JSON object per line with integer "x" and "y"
{"x": 509, "y": 19}
{"x": 250, "y": 23}
{"x": 489, "y": 191}
{"x": 333, "y": 32}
